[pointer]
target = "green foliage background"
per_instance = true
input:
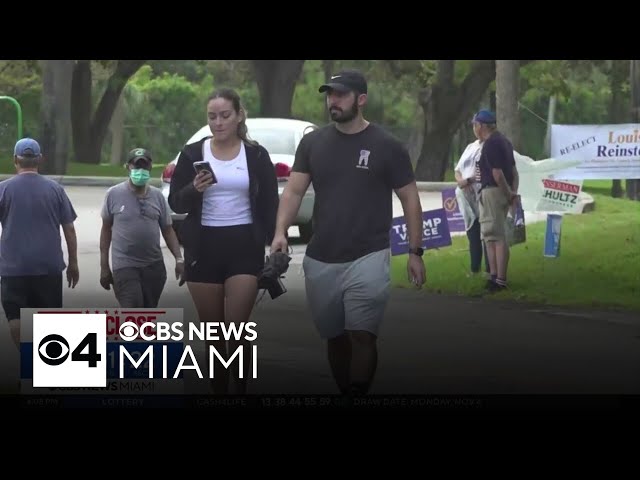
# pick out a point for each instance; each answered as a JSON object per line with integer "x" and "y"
{"x": 165, "y": 101}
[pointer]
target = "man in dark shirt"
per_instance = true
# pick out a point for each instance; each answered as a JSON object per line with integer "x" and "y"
{"x": 355, "y": 166}
{"x": 32, "y": 209}
{"x": 499, "y": 187}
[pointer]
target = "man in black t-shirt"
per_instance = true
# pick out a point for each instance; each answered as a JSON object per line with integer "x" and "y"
{"x": 498, "y": 191}
{"x": 355, "y": 166}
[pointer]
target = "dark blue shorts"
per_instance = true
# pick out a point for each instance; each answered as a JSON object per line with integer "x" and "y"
{"x": 30, "y": 291}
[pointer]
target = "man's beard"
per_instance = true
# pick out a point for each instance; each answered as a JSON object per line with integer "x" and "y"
{"x": 340, "y": 116}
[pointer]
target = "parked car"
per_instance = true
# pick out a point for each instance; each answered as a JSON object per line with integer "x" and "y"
{"x": 280, "y": 136}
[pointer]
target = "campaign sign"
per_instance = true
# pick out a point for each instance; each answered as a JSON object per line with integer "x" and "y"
{"x": 435, "y": 232}
{"x": 559, "y": 195}
{"x": 454, "y": 215}
{"x": 603, "y": 151}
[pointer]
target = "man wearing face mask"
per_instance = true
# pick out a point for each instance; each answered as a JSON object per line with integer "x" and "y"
{"x": 133, "y": 215}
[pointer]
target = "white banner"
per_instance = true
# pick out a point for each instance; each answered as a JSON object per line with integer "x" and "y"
{"x": 540, "y": 192}
{"x": 604, "y": 151}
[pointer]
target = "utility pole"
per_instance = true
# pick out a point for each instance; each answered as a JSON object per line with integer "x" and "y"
{"x": 550, "y": 119}
{"x": 632, "y": 184}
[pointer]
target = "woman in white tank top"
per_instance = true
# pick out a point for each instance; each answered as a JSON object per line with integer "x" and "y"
{"x": 230, "y": 221}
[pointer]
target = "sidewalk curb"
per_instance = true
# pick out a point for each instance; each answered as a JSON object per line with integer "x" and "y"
{"x": 585, "y": 199}
{"x": 79, "y": 181}
{"x": 75, "y": 181}
{"x": 435, "y": 186}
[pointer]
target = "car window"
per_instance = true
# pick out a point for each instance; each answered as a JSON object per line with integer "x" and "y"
{"x": 276, "y": 141}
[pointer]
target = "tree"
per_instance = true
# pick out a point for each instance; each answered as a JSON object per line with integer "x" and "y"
{"x": 90, "y": 129}
{"x": 56, "y": 114}
{"x": 276, "y": 80}
{"x": 507, "y": 100}
{"x": 448, "y": 98}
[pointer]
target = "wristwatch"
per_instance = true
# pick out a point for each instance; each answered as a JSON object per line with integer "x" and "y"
{"x": 419, "y": 251}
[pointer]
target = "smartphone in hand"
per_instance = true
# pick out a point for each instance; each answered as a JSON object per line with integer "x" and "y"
{"x": 206, "y": 166}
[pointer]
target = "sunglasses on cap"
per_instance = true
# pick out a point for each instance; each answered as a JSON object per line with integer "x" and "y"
{"x": 141, "y": 163}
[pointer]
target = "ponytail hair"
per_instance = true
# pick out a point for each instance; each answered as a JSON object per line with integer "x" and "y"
{"x": 234, "y": 98}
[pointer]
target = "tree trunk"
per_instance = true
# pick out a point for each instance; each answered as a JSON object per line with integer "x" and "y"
{"x": 81, "y": 111}
{"x": 48, "y": 141}
{"x": 63, "y": 102}
{"x": 117, "y": 132}
{"x": 56, "y": 104}
{"x": 89, "y": 130}
{"x": 434, "y": 158}
{"x": 632, "y": 184}
{"x": 327, "y": 68}
{"x": 507, "y": 97}
{"x": 618, "y": 74}
{"x": 276, "y": 81}
{"x": 493, "y": 104}
{"x": 446, "y": 106}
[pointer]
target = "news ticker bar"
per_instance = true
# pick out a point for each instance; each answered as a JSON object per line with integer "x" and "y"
{"x": 332, "y": 402}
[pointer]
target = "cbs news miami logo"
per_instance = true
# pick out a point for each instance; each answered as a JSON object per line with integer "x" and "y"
{"x": 70, "y": 348}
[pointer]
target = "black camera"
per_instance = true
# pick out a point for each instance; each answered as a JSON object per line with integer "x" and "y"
{"x": 270, "y": 278}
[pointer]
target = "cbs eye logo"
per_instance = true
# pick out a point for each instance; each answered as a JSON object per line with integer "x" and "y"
{"x": 69, "y": 350}
{"x": 54, "y": 350}
{"x": 130, "y": 331}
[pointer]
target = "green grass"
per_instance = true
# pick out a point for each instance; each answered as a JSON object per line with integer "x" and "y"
{"x": 449, "y": 176}
{"x": 603, "y": 187}
{"x": 599, "y": 263}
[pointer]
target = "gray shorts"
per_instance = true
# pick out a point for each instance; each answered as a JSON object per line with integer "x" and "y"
{"x": 348, "y": 296}
{"x": 139, "y": 287}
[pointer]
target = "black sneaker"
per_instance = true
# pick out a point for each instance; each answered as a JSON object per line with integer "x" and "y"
{"x": 493, "y": 287}
{"x": 490, "y": 285}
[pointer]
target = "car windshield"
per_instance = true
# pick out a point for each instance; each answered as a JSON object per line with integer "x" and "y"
{"x": 276, "y": 141}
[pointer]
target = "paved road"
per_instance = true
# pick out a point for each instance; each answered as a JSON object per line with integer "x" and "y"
{"x": 429, "y": 344}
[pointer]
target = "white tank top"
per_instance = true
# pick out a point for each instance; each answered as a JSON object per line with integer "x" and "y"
{"x": 227, "y": 202}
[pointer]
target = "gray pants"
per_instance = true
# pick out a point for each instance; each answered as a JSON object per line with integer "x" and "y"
{"x": 348, "y": 296}
{"x": 139, "y": 287}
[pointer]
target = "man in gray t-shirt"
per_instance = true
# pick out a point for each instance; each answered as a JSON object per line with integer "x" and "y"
{"x": 133, "y": 215}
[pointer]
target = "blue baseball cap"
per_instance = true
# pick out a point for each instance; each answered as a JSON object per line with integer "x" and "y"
{"x": 484, "y": 116}
{"x": 27, "y": 147}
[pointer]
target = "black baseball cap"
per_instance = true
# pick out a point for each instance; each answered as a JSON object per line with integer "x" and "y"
{"x": 139, "y": 154}
{"x": 346, "y": 81}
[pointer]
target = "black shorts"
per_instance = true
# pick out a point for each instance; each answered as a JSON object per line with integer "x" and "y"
{"x": 30, "y": 291}
{"x": 225, "y": 252}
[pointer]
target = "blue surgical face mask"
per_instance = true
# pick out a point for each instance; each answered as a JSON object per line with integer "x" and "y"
{"x": 139, "y": 176}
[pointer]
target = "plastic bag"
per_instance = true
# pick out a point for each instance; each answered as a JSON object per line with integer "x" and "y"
{"x": 515, "y": 227}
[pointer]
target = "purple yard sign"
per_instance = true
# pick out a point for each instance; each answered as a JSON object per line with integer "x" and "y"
{"x": 450, "y": 205}
{"x": 435, "y": 232}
